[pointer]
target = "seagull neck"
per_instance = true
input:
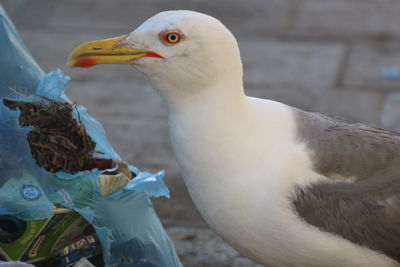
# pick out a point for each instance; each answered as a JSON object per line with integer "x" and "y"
{"x": 223, "y": 96}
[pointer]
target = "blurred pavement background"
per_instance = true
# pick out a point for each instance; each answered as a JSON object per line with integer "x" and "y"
{"x": 340, "y": 57}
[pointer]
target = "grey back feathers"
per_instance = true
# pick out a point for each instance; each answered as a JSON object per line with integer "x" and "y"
{"x": 362, "y": 201}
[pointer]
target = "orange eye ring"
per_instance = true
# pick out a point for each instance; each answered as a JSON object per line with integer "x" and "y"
{"x": 171, "y": 38}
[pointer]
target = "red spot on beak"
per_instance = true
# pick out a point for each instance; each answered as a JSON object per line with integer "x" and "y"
{"x": 152, "y": 54}
{"x": 85, "y": 62}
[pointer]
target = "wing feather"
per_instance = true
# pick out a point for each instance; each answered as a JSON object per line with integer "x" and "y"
{"x": 363, "y": 204}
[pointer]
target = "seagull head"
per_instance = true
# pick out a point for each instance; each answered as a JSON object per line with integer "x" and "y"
{"x": 181, "y": 52}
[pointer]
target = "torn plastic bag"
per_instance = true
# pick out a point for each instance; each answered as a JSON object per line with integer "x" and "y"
{"x": 125, "y": 222}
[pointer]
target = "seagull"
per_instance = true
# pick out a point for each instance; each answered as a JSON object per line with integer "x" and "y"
{"x": 283, "y": 186}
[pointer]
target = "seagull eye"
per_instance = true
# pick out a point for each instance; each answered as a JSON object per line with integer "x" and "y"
{"x": 171, "y": 38}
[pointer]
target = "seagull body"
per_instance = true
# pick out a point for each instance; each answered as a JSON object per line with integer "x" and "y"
{"x": 284, "y": 187}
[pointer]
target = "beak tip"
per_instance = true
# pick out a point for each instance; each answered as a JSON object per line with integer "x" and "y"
{"x": 86, "y": 62}
{"x": 70, "y": 62}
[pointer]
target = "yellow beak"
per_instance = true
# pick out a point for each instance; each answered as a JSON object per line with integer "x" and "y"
{"x": 108, "y": 51}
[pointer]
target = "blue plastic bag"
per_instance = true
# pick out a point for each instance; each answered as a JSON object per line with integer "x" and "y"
{"x": 125, "y": 222}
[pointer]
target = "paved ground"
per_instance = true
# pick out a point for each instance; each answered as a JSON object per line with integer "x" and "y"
{"x": 325, "y": 56}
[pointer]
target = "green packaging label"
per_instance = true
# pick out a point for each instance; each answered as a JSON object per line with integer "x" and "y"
{"x": 32, "y": 241}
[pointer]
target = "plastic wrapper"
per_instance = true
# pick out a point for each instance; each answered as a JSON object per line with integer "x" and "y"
{"x": 125, "y": 222}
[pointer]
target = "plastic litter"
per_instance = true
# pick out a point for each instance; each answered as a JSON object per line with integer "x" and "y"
{"x": 83, "y": 263}
{"x": 125, "y": 223}
{"x": 14, "y": 264}
{"x": 391, "y": 73}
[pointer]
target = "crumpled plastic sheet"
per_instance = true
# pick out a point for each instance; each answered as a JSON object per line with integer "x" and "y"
{"x": 125, "y": 221}
{"x": 14, "y": 264}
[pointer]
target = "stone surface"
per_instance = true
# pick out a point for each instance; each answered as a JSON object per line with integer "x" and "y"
{"x": 288, "y": 64}
{"x": 367, "y": 63}
{"x": 197, "y": 247}
{"x": 122, "y": 16}
{"x": 358, "y": 106}
{"x": 350, "y": 18}
{"x": 297, "y": 74}
{"x": 201, "y": 247}
{"x": 243, "y": 262}
{"x": 391, "y": 112}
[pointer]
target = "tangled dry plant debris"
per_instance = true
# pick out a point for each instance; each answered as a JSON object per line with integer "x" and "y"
{"x": 57, "y": 141}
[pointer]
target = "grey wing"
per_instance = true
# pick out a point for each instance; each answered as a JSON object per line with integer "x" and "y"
{"x": 345, "y": 150}
{"x": 362, "y": 203}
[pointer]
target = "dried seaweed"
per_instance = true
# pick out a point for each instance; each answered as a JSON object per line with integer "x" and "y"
{"x": 57, "y": 141}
